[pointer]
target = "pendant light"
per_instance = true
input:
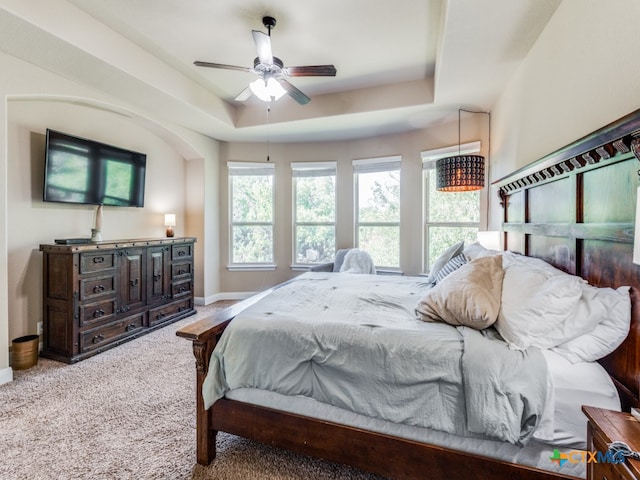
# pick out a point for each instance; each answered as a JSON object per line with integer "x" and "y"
{"x": 461, "y": 173}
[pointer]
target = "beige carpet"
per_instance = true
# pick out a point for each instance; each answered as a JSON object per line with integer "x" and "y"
{"x": 128, "y": 413}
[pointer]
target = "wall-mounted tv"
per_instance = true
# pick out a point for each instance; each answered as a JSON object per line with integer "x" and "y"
{"x": 84, "y": 171}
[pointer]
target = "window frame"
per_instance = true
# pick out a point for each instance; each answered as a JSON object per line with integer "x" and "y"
{"x": 375, "y": 165}
{"x": 306, "y": 170}
{"x": 251, "y": 169}
{"x": 429, "y": 158}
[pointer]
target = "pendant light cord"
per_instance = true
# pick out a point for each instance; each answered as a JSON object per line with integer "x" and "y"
{"x": 459, "y": 136}
{"x": 486, "y": 226}
{"x": 268, "y": 138}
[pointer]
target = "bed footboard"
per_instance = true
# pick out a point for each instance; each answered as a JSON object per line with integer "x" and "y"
{"x": 205, "y": 334}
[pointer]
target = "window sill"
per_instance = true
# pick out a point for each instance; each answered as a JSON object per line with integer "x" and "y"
{"x": 300, "y": 267}
{"x": 249, "y": 267}
{"x": 389, "y": 271}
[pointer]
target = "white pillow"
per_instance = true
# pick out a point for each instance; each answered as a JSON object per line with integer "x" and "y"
{"x": 521, "y": 279}
{"x": 542, "y": 316}
{"x": 513, "y": 259}
{"x": 476, "y": 250}
{"x": 607, "y": 335}
{"x": 444, "y": 257}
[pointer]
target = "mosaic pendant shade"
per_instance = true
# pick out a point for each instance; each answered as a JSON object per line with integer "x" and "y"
{"x": 460, "y": 173}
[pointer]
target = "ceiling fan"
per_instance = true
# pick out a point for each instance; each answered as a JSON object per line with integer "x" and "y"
{"x": 272, "y": 83}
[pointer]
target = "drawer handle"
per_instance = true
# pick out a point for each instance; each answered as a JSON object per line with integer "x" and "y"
{"x": 97, "y": 339}
{"x": 98, "y": 313}
{"x": 98, "y": 259}
{"x": 98, "y": 288}
{"x": 160, "y": 315}
{"x": 182, "y": 289}
{"x": 133, "y": 282}
{"x": 157, "y": 277}
{"x": 182, "y": 308}
{"x": 181, "y": 272}
{"x": 131, "y": 326}
{"x": 182, "y": 253}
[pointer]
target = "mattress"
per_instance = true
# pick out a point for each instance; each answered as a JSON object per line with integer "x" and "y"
{"x": 564, "y": 418}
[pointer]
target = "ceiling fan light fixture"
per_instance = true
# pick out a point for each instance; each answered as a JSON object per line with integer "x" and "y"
{"x": 267, "y": 90}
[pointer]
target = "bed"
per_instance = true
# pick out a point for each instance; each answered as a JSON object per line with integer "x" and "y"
{"x": 574, "y": 209}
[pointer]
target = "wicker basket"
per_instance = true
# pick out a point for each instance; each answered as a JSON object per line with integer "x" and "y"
{"x": 24, "y": 352}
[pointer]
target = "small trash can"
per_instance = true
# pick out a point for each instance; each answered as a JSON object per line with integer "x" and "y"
{"x": 24, "y": 352}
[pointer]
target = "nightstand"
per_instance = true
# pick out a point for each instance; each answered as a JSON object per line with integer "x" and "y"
{"x": 604, "y": 427}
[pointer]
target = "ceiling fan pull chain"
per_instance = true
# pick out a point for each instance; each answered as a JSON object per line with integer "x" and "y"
{"x": 268, "y": 138}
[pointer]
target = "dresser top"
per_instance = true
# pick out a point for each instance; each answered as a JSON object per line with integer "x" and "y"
{"x": 109, "y": 244}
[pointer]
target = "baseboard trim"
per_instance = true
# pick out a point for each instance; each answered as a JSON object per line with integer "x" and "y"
{"x": 6, "y": 375}
{"x": 202, "y": 301}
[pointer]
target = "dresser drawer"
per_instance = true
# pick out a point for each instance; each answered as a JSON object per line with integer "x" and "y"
{"x": 166, "y": 312}
{"x": 97, "y": 337}
{"x": 180, "y": 289}
{"x": 97, "y": 313}
{"x": 95, "y": 287}
{"x": 97, "y": 261}
{"x": 606, "y": 470}
{"x": 609, "y": 471}
{"x": 181, "y": 269}
{"x": 181, "y": 251}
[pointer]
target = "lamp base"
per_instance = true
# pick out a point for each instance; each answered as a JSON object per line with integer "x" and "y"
{"x": 96, "y": 235}
{"x": 170, "y": 232}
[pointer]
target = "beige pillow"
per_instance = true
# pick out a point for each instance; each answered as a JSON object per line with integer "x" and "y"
{"x": 469, "y": 296}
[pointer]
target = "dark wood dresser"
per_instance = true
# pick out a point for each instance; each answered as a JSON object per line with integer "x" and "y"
{"x": 99, "y": 295}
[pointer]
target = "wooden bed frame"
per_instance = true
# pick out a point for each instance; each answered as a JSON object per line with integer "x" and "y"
{"x": 574, "y": 208}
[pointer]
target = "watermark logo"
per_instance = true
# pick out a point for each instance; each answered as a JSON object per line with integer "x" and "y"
{"x": 559, "y": 458}
{"x": 580, "y": 456}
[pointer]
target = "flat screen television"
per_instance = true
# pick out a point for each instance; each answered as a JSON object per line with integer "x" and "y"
{"x": 84, "y": 171}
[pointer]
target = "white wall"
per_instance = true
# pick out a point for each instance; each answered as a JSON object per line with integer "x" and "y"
{"x": 581, "y": 74}
{"x": 34, "y": 99}
{"x": 30, "y": 221}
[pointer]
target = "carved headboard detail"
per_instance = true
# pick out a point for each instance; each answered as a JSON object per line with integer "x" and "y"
{"x": 575, "y": 208}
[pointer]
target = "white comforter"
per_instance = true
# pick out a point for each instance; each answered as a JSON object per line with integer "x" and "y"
{"x": 353, "y": 341}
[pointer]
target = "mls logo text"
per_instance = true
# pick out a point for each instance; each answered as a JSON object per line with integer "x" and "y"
{"x": 580, "y": 456}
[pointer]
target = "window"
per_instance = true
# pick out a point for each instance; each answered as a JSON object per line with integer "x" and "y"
{"x": 314, "y": 214}
{"x": 251, "y": 215}
{"x": 377, "y": 202}
{"x": 450, "y": 217}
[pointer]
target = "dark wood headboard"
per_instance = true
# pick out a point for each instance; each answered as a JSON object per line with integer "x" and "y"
{"x": 575, "y": 208}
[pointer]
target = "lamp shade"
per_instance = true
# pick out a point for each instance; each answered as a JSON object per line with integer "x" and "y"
{"x": 169, "y": 219}
{"x": 460, "y": 173}
{"x": 490, "y": 239}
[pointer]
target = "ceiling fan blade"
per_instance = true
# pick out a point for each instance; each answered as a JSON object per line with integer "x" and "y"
{"x": 198, "y": 63}
{"x": 243, "y": 95}
{"x": 310, "y": 71}
{"x": 296, "y": 94}
{"x": 263, "y": 46}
